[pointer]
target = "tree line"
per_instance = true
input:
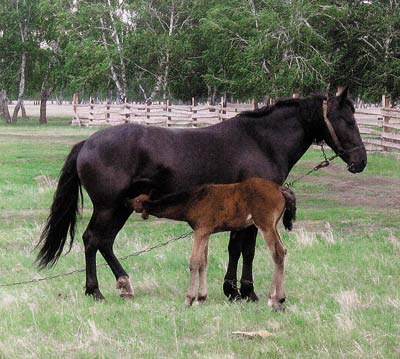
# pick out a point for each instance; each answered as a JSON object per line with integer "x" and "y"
{"x": 179, "y": 49}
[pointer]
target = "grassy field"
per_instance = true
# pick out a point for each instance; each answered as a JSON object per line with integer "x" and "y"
{"x": 342, "y": 273}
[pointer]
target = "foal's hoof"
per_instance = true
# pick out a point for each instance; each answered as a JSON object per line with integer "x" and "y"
{"x": 189, "y": 301}
{"x": 202, "y": 299}
{"x": 96, "y": 294}
{"x": 277, "y": 306}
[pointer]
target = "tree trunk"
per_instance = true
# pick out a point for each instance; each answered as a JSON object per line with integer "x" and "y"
{"x": 4, "y": 112}
{"x": 21, "y": 90}
{"x": 44, "y": 95}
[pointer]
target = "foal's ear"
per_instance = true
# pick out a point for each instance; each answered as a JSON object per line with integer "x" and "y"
{"x": 342, "y": 97}
{"x": 151, "y": 193}
{"x": 145, "y": 214}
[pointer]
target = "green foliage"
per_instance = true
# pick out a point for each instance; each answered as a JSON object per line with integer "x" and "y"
{"x": 179, "y": 49}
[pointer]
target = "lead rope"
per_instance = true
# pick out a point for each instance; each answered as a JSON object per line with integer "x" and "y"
{"x": 146, "y": 250}
{"x": 325, "y": 163}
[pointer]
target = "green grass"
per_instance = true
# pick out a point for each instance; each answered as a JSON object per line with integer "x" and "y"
{"x": 342, "y": 280}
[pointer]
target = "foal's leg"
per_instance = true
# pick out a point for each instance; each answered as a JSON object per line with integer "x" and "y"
{"x": 196, "y": 261}
{"x": 248, "y": 250}
{"x": 230, "y": 280}
{"x": 277, "y": 290}
{"x": 202, "y": 295}
{"x": 100, "y": 235}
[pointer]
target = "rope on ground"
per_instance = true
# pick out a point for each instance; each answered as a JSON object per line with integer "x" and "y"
{"x": 65, "y": 274}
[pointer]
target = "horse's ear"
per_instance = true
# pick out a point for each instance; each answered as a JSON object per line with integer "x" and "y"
{"x": 343, "y": 95}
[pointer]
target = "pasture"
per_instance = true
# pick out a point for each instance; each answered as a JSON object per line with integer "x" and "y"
{"x": 342, "y": 271}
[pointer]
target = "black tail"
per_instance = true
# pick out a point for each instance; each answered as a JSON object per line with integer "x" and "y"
{"x": 63, "y": 212}
{"x": 290, "y": 208}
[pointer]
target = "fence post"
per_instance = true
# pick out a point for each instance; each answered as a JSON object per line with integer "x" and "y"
{"x": 255, "y": 104}
{"x": 168, "y": 113}
{"x": 193, "y": 111}
{"x": 108, "y": 111}
{"x": 91, "y": 111}
{"x": 386, "y": 103}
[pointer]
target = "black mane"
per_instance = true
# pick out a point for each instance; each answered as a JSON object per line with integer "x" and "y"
{"x": 303, "y": 103}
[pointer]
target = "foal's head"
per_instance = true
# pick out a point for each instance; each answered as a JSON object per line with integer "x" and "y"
{"x": 137, "y": 204}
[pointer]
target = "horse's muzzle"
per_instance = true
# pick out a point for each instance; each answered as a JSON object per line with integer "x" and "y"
{"x": 357, "y": 167}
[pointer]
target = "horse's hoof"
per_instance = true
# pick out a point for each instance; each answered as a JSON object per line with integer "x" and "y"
{"x": 230, "y": 289}
{"x": 235, "y": 298}
{"x": 96, "y": 294}
{"x": 252, "y": 297}
{"x": 126, "y": 296}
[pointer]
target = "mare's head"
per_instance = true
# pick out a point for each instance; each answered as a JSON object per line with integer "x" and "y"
{"x": 341, "y": 133}
{"x": 137, "y": 204}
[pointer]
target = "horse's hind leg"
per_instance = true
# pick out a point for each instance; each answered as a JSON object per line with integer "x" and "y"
{"x": 100, "y": 235}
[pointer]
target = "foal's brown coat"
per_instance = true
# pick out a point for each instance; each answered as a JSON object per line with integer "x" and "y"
{"x": 216, "y": 208}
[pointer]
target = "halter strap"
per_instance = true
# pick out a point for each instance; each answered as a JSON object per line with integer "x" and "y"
{"x": 330, "y": 128}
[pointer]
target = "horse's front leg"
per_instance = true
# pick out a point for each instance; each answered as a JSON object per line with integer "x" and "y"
{"x": 248, "y": 251}
{"x": 230, "y": 280}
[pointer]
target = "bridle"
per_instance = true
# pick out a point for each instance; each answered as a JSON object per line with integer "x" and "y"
{"x": 327, "y": 160}
{"x": 340, "y": 150}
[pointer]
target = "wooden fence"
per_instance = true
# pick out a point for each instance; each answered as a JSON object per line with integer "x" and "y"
{"x": 379, "y": 126}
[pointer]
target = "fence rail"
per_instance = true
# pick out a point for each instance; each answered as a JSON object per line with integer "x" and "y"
{"x": 379, "y": 126}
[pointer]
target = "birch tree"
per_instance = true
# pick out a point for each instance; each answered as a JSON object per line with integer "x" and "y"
{"x": 23, "y": 17}
{"x": 162, "y": 30}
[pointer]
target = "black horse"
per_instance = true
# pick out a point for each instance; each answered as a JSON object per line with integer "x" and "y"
{"x": 122, "y": 161}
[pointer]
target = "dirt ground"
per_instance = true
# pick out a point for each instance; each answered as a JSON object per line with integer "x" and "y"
{"x": 375, "y": 192}
{"x": 52, "y": 109}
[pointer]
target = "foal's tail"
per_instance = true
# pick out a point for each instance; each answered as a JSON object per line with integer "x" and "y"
{"x": 290, "y": 207}
{"x": 63, "y": 212}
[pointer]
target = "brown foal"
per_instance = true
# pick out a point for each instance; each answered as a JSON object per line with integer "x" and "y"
{"x": 216, "y": 208}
